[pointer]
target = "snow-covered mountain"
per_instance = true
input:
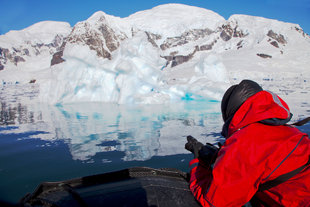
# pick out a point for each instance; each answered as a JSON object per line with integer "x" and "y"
{"x": 167, "y": 53}
{"x": 32, "y": 46}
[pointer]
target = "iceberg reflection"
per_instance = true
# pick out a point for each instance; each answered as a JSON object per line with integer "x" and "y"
{"x": 140, "y": 131}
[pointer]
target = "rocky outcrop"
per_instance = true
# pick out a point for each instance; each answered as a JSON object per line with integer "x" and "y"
{"x": 112, "y": 42}
{"x": 207, "y": 46}
{"x": 152, "y": 38}
{"x": 5, "y": 54}
{"x": 278, "y": 37}
{"x": 239, "y": 44}
{"x": 14, "y": 56}
{"x": 229, "y": 32}
{"x": 186, "y": 37}
{"x": 18, "y": 54}
{"x": 57, "y": 58}
{"x": 101, "y": 38}
{"x": 263, "y": 55}
{"x": 179, "y": 59}
{"x": 299, "y": 30}
{"x": 226, "y": 33}
{"x": 17, "y": 59}
{"x": 275, "y": 44}
{"x": 93, "y": 41}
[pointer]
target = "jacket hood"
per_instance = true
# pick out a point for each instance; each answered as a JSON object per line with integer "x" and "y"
{"x": 264, "y": 107}
{"x": 236, "y": 95}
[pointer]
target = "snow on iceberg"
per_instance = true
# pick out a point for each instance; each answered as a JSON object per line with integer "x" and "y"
{"x": 134, "y": 75}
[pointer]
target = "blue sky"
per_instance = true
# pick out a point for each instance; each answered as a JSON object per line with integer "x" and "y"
{"x": 19, "y": 14}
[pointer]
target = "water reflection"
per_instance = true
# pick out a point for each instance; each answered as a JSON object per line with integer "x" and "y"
{"x": 16, "y": 115}
{"x": 141, "y": 132}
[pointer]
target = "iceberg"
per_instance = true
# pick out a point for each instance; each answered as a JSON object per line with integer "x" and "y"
{"x": 133, "y": 76}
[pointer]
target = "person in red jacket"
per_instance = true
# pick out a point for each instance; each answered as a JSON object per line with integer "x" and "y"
{"x": 264, "y": 160}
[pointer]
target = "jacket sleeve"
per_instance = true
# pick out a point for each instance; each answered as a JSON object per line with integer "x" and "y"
{"x": 233, "y": 180}
{"x": 200, "y": 180}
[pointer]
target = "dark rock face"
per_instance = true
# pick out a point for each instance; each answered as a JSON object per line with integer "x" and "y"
{"x": 263, "y": 55}
{"x": 18, "y": 59}
{"x": 179, "y": 59}
{"x": 110, "y": 38}
{"x": 275, "y": 44}
{"x": 185, "y": 38}
{"x": 12, "y": 56}
{"x": 2, "y": 58}
{"x": 152, "y": 38}
{"x": 20, "y": 53}
{"x": 207, "y": 46}
{"x": 57, "y": 58}
{"x": 93, "y": 43}
{"x": 26, "y": 52}
{"x": 226, "y": 35}
{"x": 278, "y": 37}
{"x": 239, "y": 44}
{"x": 5, "y": 53}
{"x": 101, "y": 39}
{"x": 103, "y": 42}
{"x": 302, "y": 32}
{"x": 228, "y": 32}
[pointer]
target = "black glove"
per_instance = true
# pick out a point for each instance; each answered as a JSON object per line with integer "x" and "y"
{"x": 206, "y": 153}
{"x": 193, "y": 146}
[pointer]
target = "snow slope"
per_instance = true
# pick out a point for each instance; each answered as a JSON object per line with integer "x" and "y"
{"x": 23, "y": 53}
{"x": 171, "y": 20}
{"x": 41, "y": 32}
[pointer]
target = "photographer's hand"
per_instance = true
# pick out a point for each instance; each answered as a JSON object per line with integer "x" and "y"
{"x": 193, "y": 146}
{"x": 206, "y": 153}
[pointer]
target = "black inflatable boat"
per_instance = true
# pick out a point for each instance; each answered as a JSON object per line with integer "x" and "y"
{"x": 139, "y": 186}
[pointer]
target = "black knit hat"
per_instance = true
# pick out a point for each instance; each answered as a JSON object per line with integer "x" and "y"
{"x": 236, "y": 95}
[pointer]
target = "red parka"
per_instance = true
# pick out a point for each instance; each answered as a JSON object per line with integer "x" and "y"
{"x": 253, "y": 154}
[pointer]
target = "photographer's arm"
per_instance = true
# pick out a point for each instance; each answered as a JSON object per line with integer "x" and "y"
{"x": 228, "y": 183}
